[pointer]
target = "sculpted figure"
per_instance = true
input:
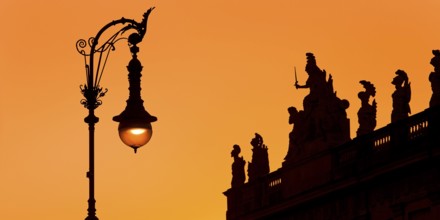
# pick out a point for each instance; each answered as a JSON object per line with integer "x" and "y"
{"x": 260, "y": 159}
{"x": 401, "y": 96}
{"x": 324, "y": 113}
{"x": 296, "y": 136}
{"x": 316, "y": 82}
{"x": 238, "y": 175}
{"x": 313, "y": 108}
{"x": 367, "y": 112}
{"x": 434, "y": 78}
{"x": 323, "y": 123}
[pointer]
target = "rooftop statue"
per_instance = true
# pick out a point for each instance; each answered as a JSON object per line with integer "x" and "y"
{"x": 401, "y": 96}
{"x": 323, "y": 118}
{"x": 316, "y": 82}
{"x": 434, "y": 78}
{"x": 238, "y": 175}
{"x": 367, "y": 112}
{"x": 260, "y": 159}
{"x": 295, "y": 136}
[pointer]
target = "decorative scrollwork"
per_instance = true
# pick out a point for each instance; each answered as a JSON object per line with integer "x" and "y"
{"x": 80, "y": 45}
{"x": 91, "y": 41}
{"x": 92, "y": 96}
{"x": 95, "y": 67}
{"x": 110, "y": 43}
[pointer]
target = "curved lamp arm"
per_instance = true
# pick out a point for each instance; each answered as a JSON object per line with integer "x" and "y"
{"x": 91, "y": 90}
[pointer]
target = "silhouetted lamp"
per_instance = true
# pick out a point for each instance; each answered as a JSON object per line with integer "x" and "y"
{"x": 134, "y": 122}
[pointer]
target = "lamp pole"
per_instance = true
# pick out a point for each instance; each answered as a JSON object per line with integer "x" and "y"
{"x": 135, "y": 122}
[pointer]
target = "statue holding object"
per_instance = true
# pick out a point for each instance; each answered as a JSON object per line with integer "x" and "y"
{"x": 324, "y": 113}
{"x": 323, "y": 122}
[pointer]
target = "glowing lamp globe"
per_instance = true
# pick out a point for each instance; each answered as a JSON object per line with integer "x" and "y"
{"x": 135, "y": 122}
{"x": 135, "y": 134}
{"x": 134, "y": 131}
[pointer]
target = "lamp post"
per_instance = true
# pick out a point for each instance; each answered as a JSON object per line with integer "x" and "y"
{"x": 134, "y": 122}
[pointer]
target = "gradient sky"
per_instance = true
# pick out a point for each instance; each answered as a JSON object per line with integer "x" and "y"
{"x": 215, "y": 72}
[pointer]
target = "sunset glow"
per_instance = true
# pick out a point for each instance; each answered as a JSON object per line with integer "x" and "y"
{"x": 214, "y": 73}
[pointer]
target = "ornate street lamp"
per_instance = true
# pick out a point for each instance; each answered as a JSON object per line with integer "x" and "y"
{"x": 134, "y": 122}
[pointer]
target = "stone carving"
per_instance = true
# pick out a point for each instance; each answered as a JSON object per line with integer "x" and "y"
{"x": 367, "y": 112}
{"x": 324, "y": 117}
{"x": 238, "y": 175}
{"x": 260, "y": 159}
{"x": 401, "y": 96}
{"x": 295, "y": 136}
{"x": 434, "y": 78}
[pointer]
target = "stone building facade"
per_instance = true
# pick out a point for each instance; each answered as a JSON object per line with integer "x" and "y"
{"x": 392, "y": 173}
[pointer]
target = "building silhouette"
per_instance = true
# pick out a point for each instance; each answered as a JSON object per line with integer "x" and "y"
{"x": 385, "y": 174}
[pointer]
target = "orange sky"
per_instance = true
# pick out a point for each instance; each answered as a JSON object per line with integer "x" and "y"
{"x": 215, "y": 72}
